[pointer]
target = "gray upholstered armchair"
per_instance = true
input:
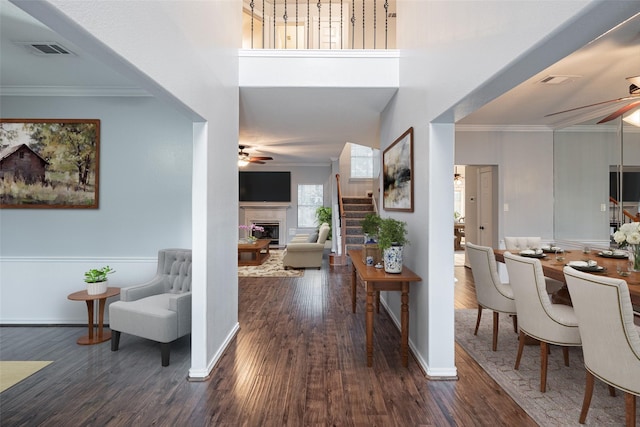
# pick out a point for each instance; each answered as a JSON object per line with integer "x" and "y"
{"x": 160, "y": 309}
{"x": 306, "y": 251}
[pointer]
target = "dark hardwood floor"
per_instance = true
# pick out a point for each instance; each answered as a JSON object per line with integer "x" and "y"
{"x": 298, "y": 360}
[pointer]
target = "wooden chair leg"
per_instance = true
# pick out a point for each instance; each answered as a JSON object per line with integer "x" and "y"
{"x": 164, "y": 352}
{"x": 478, "y": 320}
{"x": 544, "y": 356}
{"x": 612, "y": 391}
{"x": 521, "y": 339}
{"x": 588, "y": 392}
{"x": 630, "y": 406}
{"x": 115, "y": 340}
{"x": 565, "y": 353}
{"x": 496, "y": 319}
{"x": 514, "y": 317}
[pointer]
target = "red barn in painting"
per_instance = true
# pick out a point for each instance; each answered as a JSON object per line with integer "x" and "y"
{"x": 21, "y": 162}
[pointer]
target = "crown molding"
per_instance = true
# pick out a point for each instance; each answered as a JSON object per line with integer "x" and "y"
{"x": 503, "y": 128}
{"x": 116, "y": 91}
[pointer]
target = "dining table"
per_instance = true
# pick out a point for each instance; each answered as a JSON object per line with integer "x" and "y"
{"x": 611, "y": 266}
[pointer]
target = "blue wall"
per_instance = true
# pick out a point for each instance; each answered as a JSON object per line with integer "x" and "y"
{"x": 145, "y": 182}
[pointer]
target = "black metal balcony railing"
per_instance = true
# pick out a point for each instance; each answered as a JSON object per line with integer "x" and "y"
{"x": 319, "y": 24}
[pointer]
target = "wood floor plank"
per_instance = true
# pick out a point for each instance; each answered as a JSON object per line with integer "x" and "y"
{"x": 299, "y": 359}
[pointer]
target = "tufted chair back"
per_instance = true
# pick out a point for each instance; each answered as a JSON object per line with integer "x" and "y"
{"x": 522, "y": 243}
{"x": 174, "y": 266}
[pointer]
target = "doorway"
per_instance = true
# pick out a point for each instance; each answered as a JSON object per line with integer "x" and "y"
{"x": 477, "y": 189}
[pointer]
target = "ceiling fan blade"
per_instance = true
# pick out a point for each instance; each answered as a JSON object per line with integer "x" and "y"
{"x": 261, "y": 158}
{"x": 620, "y": 112}
{"x": 252, "y": 160}
{"x": 626, "y": 98}
{"x": 635, "y": 80}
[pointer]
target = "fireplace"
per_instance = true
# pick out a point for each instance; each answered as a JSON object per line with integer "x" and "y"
{"x": 271, "y": 231}
{"x": 271, "y": 216}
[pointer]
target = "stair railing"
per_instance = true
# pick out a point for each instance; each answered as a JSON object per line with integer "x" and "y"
{"x": 341, "y": 218}
{"x": 632, "y": 217}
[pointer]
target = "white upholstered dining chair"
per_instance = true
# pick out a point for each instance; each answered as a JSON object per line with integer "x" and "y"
{"x": 517, "y": 243}
{"x": 491, "y": 293}
{"x": 610, "y": 340}
{"x": 538, "y": 317}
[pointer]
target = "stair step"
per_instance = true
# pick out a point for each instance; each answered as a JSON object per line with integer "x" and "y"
{"x": 357, "y": 200}
{"x": 357, "y": 239}
{"x": 354, "y": 222}
{"x": 356, "y": 214}
{"x": 352, "y": 207}
{"x": 354, "y": 231}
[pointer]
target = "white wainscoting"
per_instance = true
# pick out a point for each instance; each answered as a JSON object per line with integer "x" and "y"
{"x": 34, "y": 290}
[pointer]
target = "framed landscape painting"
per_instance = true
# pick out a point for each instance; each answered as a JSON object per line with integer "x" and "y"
{"x": 49, "y": 163}
{"x": 397, "y": 170}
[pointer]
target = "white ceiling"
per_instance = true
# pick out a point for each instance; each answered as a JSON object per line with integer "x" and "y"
{"x": 310, "y": 126}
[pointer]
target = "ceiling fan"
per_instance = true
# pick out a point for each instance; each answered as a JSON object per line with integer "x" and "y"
{"x": 244, "y": 158}
{"x": 634, "y": 97}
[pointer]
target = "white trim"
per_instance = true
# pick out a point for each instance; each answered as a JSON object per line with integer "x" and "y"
{"x": 203, "y": 374}
{"x": 318, "y": 53}
{"x": 435, "y": 374}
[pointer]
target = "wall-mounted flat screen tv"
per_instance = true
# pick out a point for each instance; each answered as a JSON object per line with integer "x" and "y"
{"x": 265, "y": 186}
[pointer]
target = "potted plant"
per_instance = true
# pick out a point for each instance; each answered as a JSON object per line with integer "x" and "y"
{"x": 323, "y": 214}
{"x": 370, "y": 224}
{"x": 392, "y": 236}
{"x": 97, "y": 281}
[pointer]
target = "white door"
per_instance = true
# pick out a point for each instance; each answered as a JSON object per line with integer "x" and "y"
{"x": 486, "y": 212}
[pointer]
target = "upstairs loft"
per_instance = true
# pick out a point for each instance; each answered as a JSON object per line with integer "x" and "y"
{"x": 319, "y": 24}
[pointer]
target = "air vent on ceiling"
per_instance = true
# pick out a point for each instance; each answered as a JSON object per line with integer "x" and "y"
{"x": 46, "y": 48}
{"x": 558, "y": 80}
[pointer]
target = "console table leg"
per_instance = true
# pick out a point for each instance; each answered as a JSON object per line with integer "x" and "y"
{"x": 404, "y": 321}
{"x": 369, "y": 325}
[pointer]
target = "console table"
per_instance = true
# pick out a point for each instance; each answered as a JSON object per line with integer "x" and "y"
{"x": 101, "y": 336}
{"x": 376, "y": 280}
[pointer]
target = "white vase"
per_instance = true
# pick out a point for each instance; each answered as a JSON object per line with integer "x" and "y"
{"x": 97, "y": 288}
{"x": 393, "y": 259}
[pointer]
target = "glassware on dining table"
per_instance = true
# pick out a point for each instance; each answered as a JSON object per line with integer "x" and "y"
{"x": 586, "y": 250}
{"x": 559, "y": 255}
{"x": 620, "y": 269}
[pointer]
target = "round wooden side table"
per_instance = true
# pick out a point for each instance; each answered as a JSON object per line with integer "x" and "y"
{"x": 101, "y": 335}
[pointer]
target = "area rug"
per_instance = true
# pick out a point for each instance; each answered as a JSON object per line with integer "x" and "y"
{"x": 12, "y": 372}
{"x": 561, "y": 404}
{"x": 272, "y": 267}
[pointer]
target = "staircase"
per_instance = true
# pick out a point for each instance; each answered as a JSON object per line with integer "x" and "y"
{"x": 355, "y": 209}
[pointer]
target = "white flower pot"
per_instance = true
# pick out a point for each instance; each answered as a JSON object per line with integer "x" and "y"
{"x": 393, "y": 259}
{"x": 97, "y": 288}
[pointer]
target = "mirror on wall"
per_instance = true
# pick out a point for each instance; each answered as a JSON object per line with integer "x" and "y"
{"x": 596, "y": 180}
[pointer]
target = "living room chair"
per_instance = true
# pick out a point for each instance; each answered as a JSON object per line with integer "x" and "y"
{"x": 160, "y": 309}
{"x": 517, "y": 244}
{"x": 306, "y": 251}
{"x": 538, "y": 317}
{"x": 491, "y": 293}
{"x": 610, "y": 339}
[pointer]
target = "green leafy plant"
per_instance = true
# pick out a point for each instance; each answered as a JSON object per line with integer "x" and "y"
{"x": 323, "y": 214}
{"x": 96, "y": 275}
{"x": 392, "y": 233}
{"x": 370, "y": 224}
